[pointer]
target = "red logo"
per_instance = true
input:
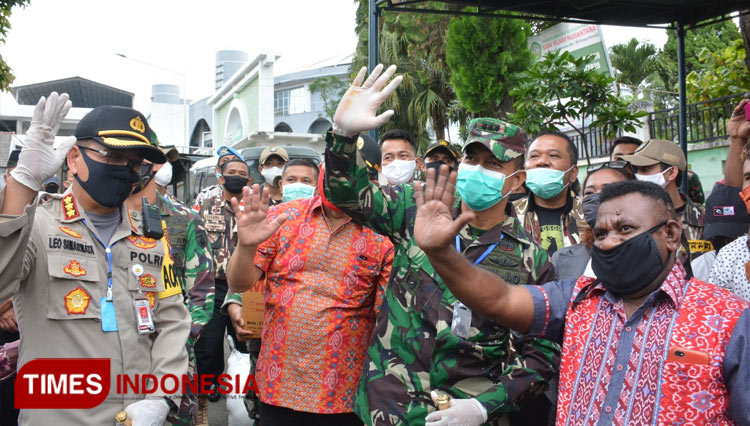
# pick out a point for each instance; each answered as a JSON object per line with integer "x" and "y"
{"x": 62, "y": 383}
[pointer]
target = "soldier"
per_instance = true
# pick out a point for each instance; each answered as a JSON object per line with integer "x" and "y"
{"x": 438, "y": 153}
{"x": 551, "y": 213}
{"x": 225, "y": 154}
{"x": 57, "y": 257}
{"x": 424, "y": 339}
{"x": 221, "y": 226}
{"x": 187, "y": 263}
{"x": 663, "y": 163}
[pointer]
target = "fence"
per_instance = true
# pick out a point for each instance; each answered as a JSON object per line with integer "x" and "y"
{"x": 706, "y": 121}
{"x": 596, "y": 142}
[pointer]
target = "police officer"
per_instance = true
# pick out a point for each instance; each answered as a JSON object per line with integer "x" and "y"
{"x": 56, "y": 259}
{"x": 225, "y": 154}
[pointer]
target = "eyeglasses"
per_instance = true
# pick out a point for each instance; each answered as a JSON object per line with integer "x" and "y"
{"x": 617, "y": 164}
{"x": 114, "y": 159}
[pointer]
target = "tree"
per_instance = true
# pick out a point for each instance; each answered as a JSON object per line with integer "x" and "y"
{"x": 745, "y": 30}
{"x": 484, "y": 56}
{"x": 724, "y": 73}
{"x": 633, "y": 63}
{"x": 331, "y": 89}
{"x": 561, "y": 90}
{"x": 6, "y": 74}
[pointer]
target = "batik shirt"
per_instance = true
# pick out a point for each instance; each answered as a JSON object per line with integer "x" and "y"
{"x": 620, "y": 370}
{"x": 412, "y": 349}
{"x": 323, "y": 290}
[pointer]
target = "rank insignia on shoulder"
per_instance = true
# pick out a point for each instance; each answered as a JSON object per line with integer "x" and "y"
{"x": 142, "y": 242}
{"x": 70, "y": 232}
{"x": 77, "y": 301}
{"x": 70, "y": 208}
{"x": 74, "y": 269}
{"x": 147, "y": 280}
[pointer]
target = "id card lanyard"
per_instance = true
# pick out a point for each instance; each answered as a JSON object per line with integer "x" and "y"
{"x": 106, "y": 304}
{"x": 461, "y": 322}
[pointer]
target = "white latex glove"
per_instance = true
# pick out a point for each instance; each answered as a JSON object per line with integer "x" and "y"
{"x": 463, "y": 412}
{"x": 148, "y": 412}
{"x": 358, "y": 108}
{"x": 40, "y": 157}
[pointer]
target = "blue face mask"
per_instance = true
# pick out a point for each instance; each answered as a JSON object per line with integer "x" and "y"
{"x": 297, "y": 190}
{"x": 546, "y": 182}
{"x": 480, "y": 188}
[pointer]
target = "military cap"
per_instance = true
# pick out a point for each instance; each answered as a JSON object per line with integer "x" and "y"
{"x": 507, "y": 141}
{"x": 273, "y": 150}
{"x": 444, "y": 146}
{"x": 369, "y": 149}
{"x": 658, "y": 151}
{"x": 119, "y": 128}
{"x": 224, "y": 150}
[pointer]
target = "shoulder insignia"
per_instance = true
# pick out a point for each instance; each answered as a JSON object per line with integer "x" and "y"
{"x": 74, "y": 269}
{"x": 147, "y": 280}
{"x": 70, "y": 232}
{"x": 70, "y": 208}
{"x": 77, "y": 301}
{"x": 142, "y": 242}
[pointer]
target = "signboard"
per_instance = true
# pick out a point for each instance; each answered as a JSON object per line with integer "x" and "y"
{"x": 578, "y": 39}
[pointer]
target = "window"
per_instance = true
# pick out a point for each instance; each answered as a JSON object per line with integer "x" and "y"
{"x": 281, "y": 102}
{"x": 299, "y": 101}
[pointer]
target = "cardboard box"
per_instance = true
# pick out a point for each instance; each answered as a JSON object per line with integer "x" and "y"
{"x": 253, "y": 305}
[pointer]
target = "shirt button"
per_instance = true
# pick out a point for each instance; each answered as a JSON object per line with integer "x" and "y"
{"x": 628, "y": 329}
{"x": 608, "y": 409}
{"x": 619, "y": 367}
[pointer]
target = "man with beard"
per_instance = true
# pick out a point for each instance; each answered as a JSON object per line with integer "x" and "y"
{"x": 80, "y": 263}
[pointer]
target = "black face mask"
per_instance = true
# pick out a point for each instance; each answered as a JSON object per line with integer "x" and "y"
{"x": 590, "y": 209}
{"x": 631, "y": 266}
{"x": 144, "y": 177}
{"x": 435, "y": 165}
{"x": 51, "y": 188}
{"x": 234, "y": 184}
{"x": 108, "y": 185}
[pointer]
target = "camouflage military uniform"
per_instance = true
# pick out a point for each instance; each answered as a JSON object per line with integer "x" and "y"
{"x": 412, "y": 349}
{"x": 221, "y": 226}
{"x": 206, "y": 193}
{"x": 693, "y": 217}
{"x": 193, "y": 269}
{"x": 524, "y": 209}
{"x": 694, "y": 187}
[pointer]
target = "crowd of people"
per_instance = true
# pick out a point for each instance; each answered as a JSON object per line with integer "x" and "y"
{"x": 471, "y": 285}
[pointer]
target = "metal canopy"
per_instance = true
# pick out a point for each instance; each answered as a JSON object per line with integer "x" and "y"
{"x": 676, "y": 14}
{"x": 83, "y": 93}
{"x": 610, "y": 12}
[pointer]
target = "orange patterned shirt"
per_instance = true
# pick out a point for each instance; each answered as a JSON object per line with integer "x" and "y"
{"x": 323, "y": 292}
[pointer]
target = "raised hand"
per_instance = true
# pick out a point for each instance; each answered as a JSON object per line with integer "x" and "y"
{"x": 253, "y": 226}
{"x": 738, "y": 126}
{"x": 434, "y": 227}
{"x": 40, "y": 157}
{"x": 358, "y": 108}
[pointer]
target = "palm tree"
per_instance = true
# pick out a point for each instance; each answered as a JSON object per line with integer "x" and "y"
{"x": 633, "y": 63}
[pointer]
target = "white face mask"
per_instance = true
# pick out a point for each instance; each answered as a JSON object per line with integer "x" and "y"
{"x": 657, "y": 178}
{"x": 399, "y": 171}
{"x": 271, "y": 173}
{"x": 164, "y": 175}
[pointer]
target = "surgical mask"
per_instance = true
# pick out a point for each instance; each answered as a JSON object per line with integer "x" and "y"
{"x": 480, "y": 188}
{"x": 271, "y": 173}
{"x": 108, "y": 185}
{"x": 164, "y": 175}
{"x": 234, "y": 183}
{"x": 590, "y": 209}
{"x": 657, "y": 178}
{"x": 399, "y": 171}
{"x": 545, "y": 182}
{"x": 297, "y": 190}
{"x": 631, "y": 266}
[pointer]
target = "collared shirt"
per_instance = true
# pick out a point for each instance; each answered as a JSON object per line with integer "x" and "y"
{"x": 729, "y": 270}
{"x": 413, "y": 349}
{"x": 323, "y": 291}
{"x": 525, "y": 208}
{"x": 221, "y": 226}
{"x": 625, "y": 384}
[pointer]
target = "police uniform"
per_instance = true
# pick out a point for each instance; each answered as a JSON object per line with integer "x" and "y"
{"x": 57, "y": 267}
